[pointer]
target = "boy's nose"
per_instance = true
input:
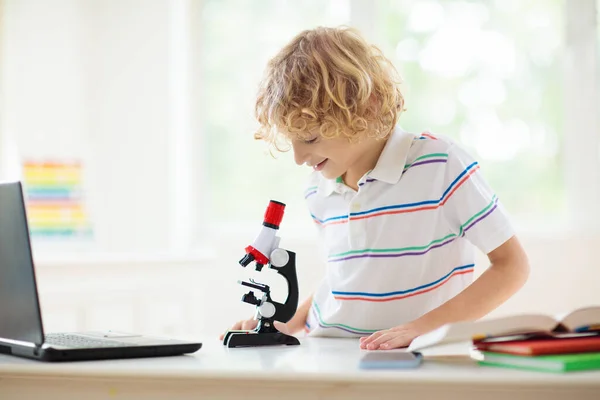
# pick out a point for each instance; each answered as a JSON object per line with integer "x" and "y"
{"x": 300, "y": 156}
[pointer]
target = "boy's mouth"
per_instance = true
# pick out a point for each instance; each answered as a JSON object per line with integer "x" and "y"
{"x": 320, "y": 165}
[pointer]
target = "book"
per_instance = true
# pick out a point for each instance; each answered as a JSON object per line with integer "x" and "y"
{"x": 535, "y": 347}
{"x": 579, "y": 320}
{"x": 546, "y": 363}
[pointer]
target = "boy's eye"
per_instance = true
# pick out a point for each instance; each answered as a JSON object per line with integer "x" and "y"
{"x": 310, "y": 141}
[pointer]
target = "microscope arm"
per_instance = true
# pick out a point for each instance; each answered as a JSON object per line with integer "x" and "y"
{"x": 284, "y": 312}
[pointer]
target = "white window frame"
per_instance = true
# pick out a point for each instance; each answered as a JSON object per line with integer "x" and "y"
{"x": 581, "y": 132}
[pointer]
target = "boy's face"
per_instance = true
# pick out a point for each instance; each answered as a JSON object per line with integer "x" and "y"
{"x": 332, "y": 157}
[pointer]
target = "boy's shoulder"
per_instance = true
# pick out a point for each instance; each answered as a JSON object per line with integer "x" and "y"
{"x": 427, "y": 142}
{"x": 438, "y": 145}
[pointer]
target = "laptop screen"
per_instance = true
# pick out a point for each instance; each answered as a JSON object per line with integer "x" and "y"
{"x": 20, "y": 317}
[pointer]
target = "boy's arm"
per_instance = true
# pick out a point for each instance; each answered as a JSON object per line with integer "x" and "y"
{"x": 296, "y": 324}
{"x": 507, "y": 274}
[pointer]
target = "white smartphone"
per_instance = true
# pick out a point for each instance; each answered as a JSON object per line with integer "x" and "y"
{"x": 381, "y": 359}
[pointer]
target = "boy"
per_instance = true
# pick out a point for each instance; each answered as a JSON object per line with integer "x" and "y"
{"x": 398, "y": 213}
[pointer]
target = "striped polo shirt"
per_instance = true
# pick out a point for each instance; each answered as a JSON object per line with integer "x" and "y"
{"x": 403, "y": 243}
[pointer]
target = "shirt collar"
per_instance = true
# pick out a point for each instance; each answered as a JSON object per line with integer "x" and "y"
{"x": 389, "y": 167}
{"x": 391, "y": 162}
{"x": 328, "y": 186}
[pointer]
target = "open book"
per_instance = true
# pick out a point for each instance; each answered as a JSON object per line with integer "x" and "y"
{"x": 579, "y": 320}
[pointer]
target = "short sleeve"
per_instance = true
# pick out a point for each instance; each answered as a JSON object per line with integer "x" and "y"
{"x": 470, "y": 206}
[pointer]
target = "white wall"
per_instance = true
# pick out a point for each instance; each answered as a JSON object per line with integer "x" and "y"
{"x": 92, "y": 80}
{"x": 41, "y": 63}
{"x": 128, "y": 102}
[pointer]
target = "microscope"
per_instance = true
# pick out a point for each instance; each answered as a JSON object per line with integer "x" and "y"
{"x": 265, "y": 251}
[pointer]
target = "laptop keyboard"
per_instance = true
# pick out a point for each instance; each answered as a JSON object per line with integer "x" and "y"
{"x": 80, "y": 342}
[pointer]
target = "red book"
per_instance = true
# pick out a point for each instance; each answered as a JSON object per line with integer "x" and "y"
{"x": 538, "y": 347}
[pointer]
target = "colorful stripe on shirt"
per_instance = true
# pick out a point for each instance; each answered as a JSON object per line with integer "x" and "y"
{"x": 347, "y": 328}
{"x": 428, "y": 159}
{"x": 310, "y": 191}
{"x": 418, "y": 250}
{"x": 368, "y": 180}
{"x": 403, "y": 294}
{"x": 405, "y": 208}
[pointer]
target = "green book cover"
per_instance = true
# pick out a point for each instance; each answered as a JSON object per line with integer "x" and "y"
{"x": 546, "y": 363}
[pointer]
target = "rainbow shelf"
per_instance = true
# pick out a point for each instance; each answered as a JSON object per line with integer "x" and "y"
{"x": 54, "y": 199}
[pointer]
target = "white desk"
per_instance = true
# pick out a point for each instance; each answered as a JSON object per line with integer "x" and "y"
{"x": 317, "y": 369}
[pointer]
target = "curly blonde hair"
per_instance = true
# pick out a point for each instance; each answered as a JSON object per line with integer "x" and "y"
{"x": 332, "y": 81}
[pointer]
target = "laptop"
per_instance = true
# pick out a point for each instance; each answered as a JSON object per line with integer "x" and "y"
{"x": 21, "y": 328}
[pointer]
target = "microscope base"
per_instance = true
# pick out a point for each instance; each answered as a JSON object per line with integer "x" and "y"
{"x": 254, "y": 339}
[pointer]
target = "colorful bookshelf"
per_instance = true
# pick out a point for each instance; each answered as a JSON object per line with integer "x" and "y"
{"x": 55, "y": 199}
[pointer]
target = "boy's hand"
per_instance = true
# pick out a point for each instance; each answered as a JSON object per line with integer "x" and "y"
{"x": 249, "y": 324}
{"x": 400, "y": 336}
{"x": 244, "y": 325}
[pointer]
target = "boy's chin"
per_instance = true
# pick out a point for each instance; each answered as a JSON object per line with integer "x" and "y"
{"x": 328, "y": 175}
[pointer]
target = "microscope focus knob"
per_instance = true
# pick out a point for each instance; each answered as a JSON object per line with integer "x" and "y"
{"x": 279, "y": 258}
{"x": 267, "y": 309}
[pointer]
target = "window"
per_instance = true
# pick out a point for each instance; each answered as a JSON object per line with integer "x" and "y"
{"x": 488, "y": 73}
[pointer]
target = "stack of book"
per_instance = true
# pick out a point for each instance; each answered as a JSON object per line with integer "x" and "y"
{"x": 570, "y": 342}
